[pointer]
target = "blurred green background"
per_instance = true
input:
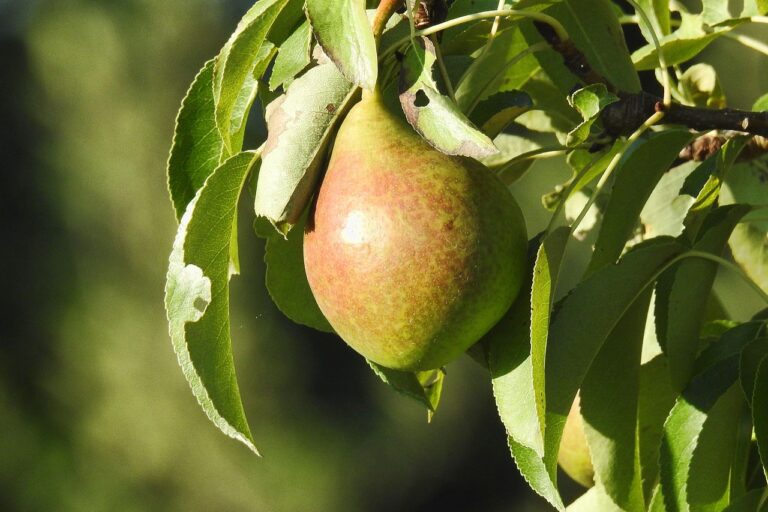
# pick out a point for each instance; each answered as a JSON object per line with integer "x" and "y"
{"x": 94, "y": 411}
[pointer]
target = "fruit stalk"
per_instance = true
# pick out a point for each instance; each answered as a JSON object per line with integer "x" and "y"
{"x": 384, "y": 11}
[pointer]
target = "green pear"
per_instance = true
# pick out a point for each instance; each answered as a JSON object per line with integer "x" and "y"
{"x": 411, "y": 254}
{"x": 574, "y": 456}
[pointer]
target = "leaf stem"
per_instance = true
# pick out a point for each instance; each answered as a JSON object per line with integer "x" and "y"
{"x": 512, "y": 13}
{"x": 384, "y": 11}
{"x": 731, "y": 266}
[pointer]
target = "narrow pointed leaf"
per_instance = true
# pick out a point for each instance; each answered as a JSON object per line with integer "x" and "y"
{"x": 286, "y": 279}
{"x": 292, "y": 57}
{"x": 434, "y": 116}
{"x": 197, "y": 144}
{"x": 584, "y": 319}
{"x": 237, "y": 61}
{"x": 638, "y": 172}
{"x": 655, "y": 401}
{"x": 610, "y": 409}
{"x": 538, "y": 475}
{"x": 342, "y": 29}
{"x": 516, "y": 348}
{"x": 595, "y": 29}
{"x": 683, "y": 291}
{"x": 197, "y": 297}
{"x": 300, "y": 124}
{"x": 751, "y": 357}
{"x": 700, "y": 405}
{"x": 760, "y": 412}
{"x": 595, "y": 499}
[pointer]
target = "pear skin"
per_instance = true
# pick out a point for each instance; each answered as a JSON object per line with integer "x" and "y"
{"x": 411, "y": 254}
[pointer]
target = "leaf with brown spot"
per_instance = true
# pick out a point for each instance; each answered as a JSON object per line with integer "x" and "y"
{"x": 300, "y": 124}
{"x": 434, "y": 116}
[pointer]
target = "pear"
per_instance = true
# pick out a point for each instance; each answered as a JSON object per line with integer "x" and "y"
{"x": 574, "y": 456}
{"x": 411, "y": 254}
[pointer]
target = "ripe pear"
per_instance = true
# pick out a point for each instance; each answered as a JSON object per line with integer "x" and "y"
{"x": 574, "y": 456}
{"x": 411, "y": 254}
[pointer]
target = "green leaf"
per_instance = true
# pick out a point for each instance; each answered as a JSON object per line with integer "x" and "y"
{"x": 595, "y": 499}
{"x": 683, "y": 44}
{"x": 638, "y": 172}
{"x": 197, "y": 297}
{"x": 589, "y": 101}
{"x": 286, "y": 279}
{"x": 713, "y": 170}
{"x": 748, "y": 183}
{"x": 700, "y": 83}
{"x": 658, "y": 13}
{"x": 504, "y": 64}
{"x": 595, "y": 29}
{"x": 751, "y": 357}
{"x": 496, "y": 112}
{"x": 699, "y": 405}
{"x": 516, "y": 350}
{"x": 536, "y": 473}
{"x": 708, "y": 486}
{"x": 197, "y": 144}
{"x": 239, "y": 66}
{"x": 718, "y": 11}
{"x": 750, "y": 502}
{"x": 517, "y": 346}
{"x": 342, "y": 29}
{"x": 424, "y": 387}
{"x": 609, "y": 406}
{"x": 656, "y": 398}
{"x": 433, "y": 115}
{"x": 666, "y": 208}
{"x": 683, "y": 290}
{"x": 300, "y": 124}
{"x": 760, "y": 412}
{"x": 585, "y": 318}
{"x": 292, "y": 57}
{"x": 690, "y": 458}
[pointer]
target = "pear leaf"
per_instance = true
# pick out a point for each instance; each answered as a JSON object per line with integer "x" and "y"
{"x": 751, "y": 357}
{"x": 584, "y": 319}
{"x": 683, "y": 290}
{"x": 197, "y": 144}
{"x": 690, "y": 38}
{"x": 594, "y": 499}
{"x": 425, "y": 387}
{"x": 239, "y": 61}
{"x": 656, "y": 398}
{"x": 433, "y": 115}
{"x": 760, "y": 412}
{"x": 610, "y": 411}
{"x": 342, "y": 29}
{"x": 595, "y": 30}
{"x": 589, "y": 101}
{"x": 638, "y": 172}
{"x": 197, "y": 297}
{"x": 300, "y": 123}
{"x": 748, "y": 183}
{"x": 502, "y": 65}
{"x": 292, "y": 57}
{"x": 286, "y": 279}
{"x": 496, "y": 112}
{"x": 536, "y": 473}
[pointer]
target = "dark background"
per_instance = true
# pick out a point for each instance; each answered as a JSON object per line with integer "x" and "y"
{"x": 94, "y": 411}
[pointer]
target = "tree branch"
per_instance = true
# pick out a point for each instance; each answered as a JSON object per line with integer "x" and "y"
{"x": 632, "y": 109}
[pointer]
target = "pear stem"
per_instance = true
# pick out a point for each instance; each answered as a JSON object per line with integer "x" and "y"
{"x": 384, "y": 11}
